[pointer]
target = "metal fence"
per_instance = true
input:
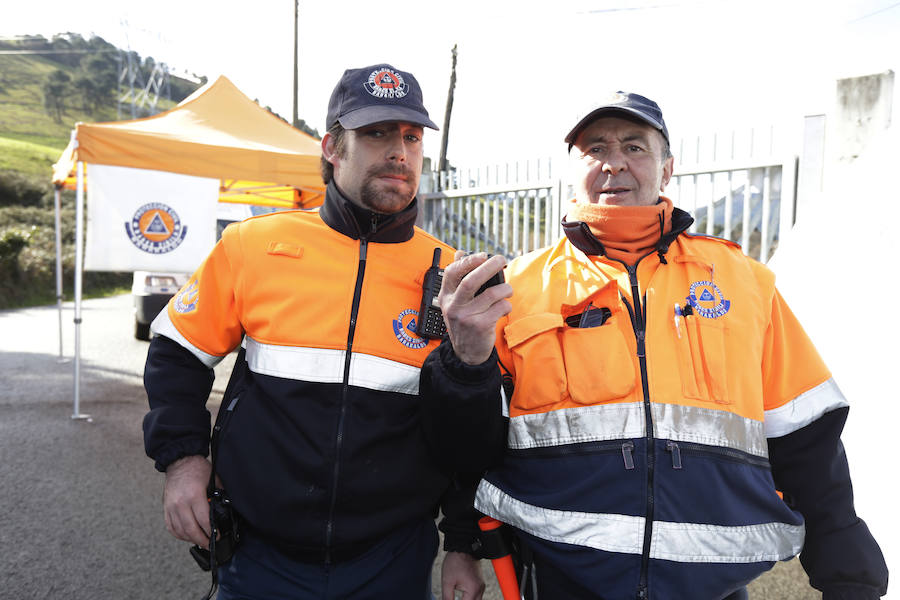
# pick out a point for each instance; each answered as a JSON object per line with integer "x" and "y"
{"x": 746, "y": 182}
{"x": 507, "y": 210}
{"x": 732, "y": 185}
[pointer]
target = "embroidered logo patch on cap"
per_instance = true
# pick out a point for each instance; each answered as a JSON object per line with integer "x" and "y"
{"x": 155, "y": 228}
{"x": 385, "y": 83}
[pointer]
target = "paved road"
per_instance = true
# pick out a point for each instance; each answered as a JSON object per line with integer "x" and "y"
{"x": 80, "y": 512}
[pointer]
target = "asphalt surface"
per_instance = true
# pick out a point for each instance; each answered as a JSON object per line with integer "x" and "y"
{"x": 80, "y": 503}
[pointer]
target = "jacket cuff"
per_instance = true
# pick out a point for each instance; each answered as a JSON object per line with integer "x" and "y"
{"x": 464, "y": 373}
{"x": 180, "y": 449}
{"x": 850, "y": 592}
{"x": 461, "y": 536}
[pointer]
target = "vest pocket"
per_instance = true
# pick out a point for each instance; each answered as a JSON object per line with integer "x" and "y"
{"x": 540, "y": 370}
{"x": 599, "y": 365}
{"x": 702, "y": 360}
{"x": 589, "y": 365}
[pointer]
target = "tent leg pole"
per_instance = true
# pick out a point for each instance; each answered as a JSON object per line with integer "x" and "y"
{"x": 59, "y": 288}
{"x": 79, "y": 252}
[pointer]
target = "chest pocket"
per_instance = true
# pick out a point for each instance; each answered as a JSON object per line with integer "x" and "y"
{"x": 701, "y": 355}
{"x": 555, "y": 362}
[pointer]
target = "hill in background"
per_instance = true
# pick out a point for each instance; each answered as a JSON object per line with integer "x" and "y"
{"x": 46, "y": 86}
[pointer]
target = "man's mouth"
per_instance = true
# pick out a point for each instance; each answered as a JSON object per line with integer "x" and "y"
{"x": 614, "y": 190}
{"x": 393, "y": 176}
{"x": 398, "y": 173}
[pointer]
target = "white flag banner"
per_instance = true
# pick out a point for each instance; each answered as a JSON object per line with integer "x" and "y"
{"x": 145, "y": 220}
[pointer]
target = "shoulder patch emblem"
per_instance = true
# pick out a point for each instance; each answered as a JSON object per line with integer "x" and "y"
{"x": 707, "y": 300}
{"x": 405, "y": 330}
{"x": 155, "y": 228}
{"x": 186, "y": 300}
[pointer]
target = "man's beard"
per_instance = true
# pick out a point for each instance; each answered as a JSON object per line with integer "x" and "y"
{"x": 386, "y": 201}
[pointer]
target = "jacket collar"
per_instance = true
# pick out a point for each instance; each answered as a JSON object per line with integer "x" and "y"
{"x": 357, "y": 223}
{"x": 580, "y": 236}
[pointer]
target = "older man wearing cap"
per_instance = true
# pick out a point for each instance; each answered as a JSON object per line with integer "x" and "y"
{"x": 320, "y": 483}
{"x": 672, "y": 432}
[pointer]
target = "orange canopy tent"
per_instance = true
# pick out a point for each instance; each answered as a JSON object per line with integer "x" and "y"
{"x": 216, "y": 132}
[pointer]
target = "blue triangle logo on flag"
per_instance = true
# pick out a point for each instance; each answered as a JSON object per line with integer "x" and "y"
{"x": 707, "y": 296}
{"x": 157, "y": 225}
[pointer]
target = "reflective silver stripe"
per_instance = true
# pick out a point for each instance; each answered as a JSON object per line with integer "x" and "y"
{"x": 574, "y": 425}
{"x": 322, "y": 365}
{"x": 700, "y": 543}
{"x": 612, "y": 533}
{"x": 316, "y": 365}
{"x": 804, "y": 409}
{"x": 162, "y": 325}
{"x": 680, "y": 542}
{"x": 626, "y": 420}
{"x": 709, "y": 426}
{"x": 376, "y": 373}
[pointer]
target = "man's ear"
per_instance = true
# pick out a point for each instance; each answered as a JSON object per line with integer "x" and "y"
{"x": 668, "y": 169}
{"x": 328, "y": 150}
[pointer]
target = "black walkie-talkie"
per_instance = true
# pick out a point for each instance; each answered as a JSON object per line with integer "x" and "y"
{"x": 431, "y": 319}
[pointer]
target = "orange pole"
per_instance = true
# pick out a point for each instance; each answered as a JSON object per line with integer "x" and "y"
{"x": 503, "y": 566}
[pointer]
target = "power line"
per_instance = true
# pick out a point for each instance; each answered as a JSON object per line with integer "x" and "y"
{"x": 628, "y": 8}
{"x": 55, "y": 51}
{"x": 872, "y": 14}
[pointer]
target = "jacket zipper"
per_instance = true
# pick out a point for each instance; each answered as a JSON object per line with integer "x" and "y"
{"x": 626, "y": 448}
{"x": 638, "y": 316}
{"x": 339, "y": 436}
{"x": 677, "y": 448}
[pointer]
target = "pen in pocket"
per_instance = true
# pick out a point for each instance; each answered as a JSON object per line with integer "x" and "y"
{"x": 678, "y": 316}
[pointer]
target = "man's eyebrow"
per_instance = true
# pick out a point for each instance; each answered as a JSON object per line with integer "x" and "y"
{"x": 631, "y": 137}
{"x": 636, "y": 137}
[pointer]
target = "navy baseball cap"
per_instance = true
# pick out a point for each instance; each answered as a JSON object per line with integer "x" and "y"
{"x": 624, "y": 104}
{"x": 374, "y": 95}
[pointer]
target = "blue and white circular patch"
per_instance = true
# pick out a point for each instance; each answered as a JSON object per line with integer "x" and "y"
{"x": 186, "y": 300}
{"x": 405, "y": 330}
{"x": 707, "y": 300}
{"x": 155, "y": 228}
{"x": 385, "y": 83}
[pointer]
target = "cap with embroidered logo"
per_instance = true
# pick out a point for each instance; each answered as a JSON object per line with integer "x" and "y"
{"x": 376, "y": 94}
{"x": 624, "y": 104}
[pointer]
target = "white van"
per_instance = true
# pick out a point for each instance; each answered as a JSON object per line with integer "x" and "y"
{"x": 151, "y": 292}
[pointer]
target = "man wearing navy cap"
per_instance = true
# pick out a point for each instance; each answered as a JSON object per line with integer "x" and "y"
{"x": 672, "y": 431}
{"x": 317, "y": 451}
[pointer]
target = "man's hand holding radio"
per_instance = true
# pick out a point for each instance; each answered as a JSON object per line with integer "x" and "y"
{"x": 471, "y": 317}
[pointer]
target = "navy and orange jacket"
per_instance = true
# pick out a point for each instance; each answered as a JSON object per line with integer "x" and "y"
{"x": 323, "y": 453}
{"x": 657, "y": 412}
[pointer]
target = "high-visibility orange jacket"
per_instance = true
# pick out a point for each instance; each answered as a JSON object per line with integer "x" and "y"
{"x": 324, "y": 453}
{"x": 656, "y": 410}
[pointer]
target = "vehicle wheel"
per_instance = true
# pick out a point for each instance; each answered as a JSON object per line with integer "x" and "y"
{"x": 141, "y": 330}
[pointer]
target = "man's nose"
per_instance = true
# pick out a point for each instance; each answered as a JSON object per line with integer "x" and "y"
{"x": 614, "y": 162}
{"x": 397, "y": 149}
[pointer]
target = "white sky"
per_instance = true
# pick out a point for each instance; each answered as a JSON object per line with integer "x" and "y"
{"x": 525, "y": 69}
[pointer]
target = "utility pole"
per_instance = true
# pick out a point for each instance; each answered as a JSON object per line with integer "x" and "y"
{"x": 442, "y": 161}
{"x": 296, "y": 119}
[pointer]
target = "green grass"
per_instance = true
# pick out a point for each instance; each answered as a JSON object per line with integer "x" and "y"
{"x": 23, "y": 117}
{"x": 29, "y": 158}
{"x": 45, "y": 295}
